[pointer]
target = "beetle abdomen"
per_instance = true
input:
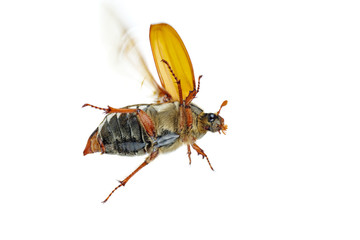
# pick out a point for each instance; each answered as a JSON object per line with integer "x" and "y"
{"x": 119, "y": 133}
{"x": 122, "y": 134}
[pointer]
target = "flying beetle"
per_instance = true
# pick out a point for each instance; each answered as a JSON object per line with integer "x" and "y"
{"x": 162, "y": 126}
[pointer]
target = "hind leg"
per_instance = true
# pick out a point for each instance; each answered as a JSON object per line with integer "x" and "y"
{"x": 151, "y": 157}
{"x": 143, "y": 116}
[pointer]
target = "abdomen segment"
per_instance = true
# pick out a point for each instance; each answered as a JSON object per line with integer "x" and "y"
{"x": 119, "y": 133}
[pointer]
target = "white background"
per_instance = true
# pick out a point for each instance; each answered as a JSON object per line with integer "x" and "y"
{"x": 287, "y": 169}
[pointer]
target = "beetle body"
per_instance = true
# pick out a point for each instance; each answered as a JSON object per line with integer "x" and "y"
{"x": 166, "y": 125}
{"x": 124, "y": 134}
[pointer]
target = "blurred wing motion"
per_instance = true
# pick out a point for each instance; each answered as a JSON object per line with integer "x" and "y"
{"x": 167, "y": 45}
{"x": 128, "y": 57}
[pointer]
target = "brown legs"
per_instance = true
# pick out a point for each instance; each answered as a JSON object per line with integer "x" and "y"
{"x": 185, "y": 110}
{"x": 202, "y": 153}
{"x": 143, "y": 117}
{"x": 189, "y": 153}
{"x": 186, "y": 113}
{"x": 199, "y": 151}
{"x": 151, "y": 157}
{"x": 148, "y": 126}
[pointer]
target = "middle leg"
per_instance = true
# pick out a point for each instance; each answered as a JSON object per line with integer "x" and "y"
{"x": 189, "y": 153}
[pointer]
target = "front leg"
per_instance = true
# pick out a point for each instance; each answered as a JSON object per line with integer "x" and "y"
{"x": 188, "y": 100}
{"x": 201, "y": 152}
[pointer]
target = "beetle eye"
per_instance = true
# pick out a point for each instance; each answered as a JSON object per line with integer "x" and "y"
{"x": 211, "y": 117}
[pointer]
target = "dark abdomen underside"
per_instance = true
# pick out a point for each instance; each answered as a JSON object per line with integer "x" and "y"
{"x": 123, "y": 134}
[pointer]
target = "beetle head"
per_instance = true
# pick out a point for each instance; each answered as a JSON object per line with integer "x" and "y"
{"x": 213, "y": 122}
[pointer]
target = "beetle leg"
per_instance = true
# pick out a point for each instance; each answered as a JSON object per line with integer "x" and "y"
{"x": 193, "y": 93}
{"x": 144, "y": 118}
{"x": 202, "y": 153}
{"x": 147, "y": 123}
{"x": 188, "y": 116}
{"x": 188, "y": 100}
{"x": 176, "y": 80}
{"x": 189, "y": 153}
{"x": 185, "y": 110}
{"x": 111, "y": 109}
{"x": 149, "y": 158}
{"x": 181, "y": 101}
{"x": 103, "y": 109}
